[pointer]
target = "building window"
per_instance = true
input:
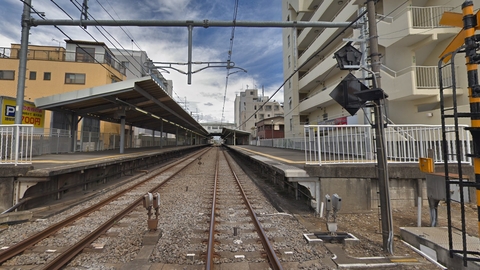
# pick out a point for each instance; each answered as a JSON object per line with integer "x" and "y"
{"x": 290, "y": 102}
{"x": 47, "y": 76}
{"x": 288, "y": 41}
{"x": 74, "y": 78}
{"x": 289, "y": 84}
{"x": 251, "y": 93}
{"x": 276, "y": 108}
{"x": 291, "y": 124}
{"x": 33, "y": 75}
{"x": 268, "y": 107}
{"x": 85, "y": 55}
{"x": 7, "y": 74}
{"x": 254, "y": 107}
{"x": 289, "y": 61}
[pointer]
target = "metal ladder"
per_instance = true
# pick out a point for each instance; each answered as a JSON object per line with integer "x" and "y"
{"x": 450, "y": 179}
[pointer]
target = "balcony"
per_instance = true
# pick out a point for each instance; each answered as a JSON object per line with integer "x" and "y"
{"x": 59, "y": 54}
{"x": 311, "y": 40}
{"x": 309, "y": 78}
{"x": 308, "y": 35}
{"x": 418, "y": 83}
{"x": 412, "y": 25}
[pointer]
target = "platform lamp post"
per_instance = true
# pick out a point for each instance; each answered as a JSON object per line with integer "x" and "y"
{"x": 272, "y": 131}
{"x": 351, "y": 94}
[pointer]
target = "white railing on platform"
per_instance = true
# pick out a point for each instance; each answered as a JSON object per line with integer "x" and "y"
{"x": 355, "y": 144}
{"x": 16, "y": 144}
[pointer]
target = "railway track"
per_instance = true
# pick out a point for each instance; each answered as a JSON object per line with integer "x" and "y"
{"x": 186, "y": 216}
{"x": 112, "y": 207}
{"x": 230, "y": 200}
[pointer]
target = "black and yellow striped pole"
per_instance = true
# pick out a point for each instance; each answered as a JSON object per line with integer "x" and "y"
{"x": 470, "y": 23}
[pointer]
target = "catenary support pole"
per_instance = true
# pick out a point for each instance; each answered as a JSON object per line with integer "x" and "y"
{"x": 383, "y": 177}
{"x": 22, "y": 68}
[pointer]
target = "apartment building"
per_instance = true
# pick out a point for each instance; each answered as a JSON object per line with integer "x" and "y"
{"x": 137, "y": 64}
{"x": 410, "y": 43}
{"x": 251, "y": 108}
{"x": 53, "y": 70}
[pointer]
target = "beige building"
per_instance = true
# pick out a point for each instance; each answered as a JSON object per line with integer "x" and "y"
{"x": 54, "y": 70}
{"x": 249, "y": 109}
{"x": 410, "y": 43}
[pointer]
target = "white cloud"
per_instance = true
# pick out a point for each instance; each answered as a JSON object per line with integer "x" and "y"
{"x": 256, "y": 49}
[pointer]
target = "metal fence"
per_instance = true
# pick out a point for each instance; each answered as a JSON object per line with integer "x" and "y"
{"x": 295, "y": 144}
{"x": 403, "y": 143}
{"x": 16, "y": 144}
{"x": 35, "y": 142}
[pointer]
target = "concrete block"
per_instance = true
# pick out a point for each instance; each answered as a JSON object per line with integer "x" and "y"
{"x": 15, "y": 217}
{"x": 151, "y": 237}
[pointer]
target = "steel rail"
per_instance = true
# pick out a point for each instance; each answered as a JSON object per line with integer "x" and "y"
{"x": 272, "y": 256}
{"x": 30, "y": 241}
{"x": 71, "y": 252}
{"x": 210, "y": 247}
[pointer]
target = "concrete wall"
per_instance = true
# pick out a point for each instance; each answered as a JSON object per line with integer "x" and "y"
{"x": 7, "y": 178}
{"x": 357, "y": 185}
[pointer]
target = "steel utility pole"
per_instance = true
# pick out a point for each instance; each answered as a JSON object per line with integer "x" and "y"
{"x": 22, "y": 56}
{"x": 383, "y": 177}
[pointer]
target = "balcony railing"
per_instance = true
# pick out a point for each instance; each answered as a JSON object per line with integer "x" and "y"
{"x": 426, "y": 76}
{"x": 63, "y": 56}
{"x": 428, "y": 17}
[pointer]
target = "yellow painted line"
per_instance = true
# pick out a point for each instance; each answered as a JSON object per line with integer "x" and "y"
{"x": 404, "y": 260}
{"x": 72, "y": 161}
{"x": 273, "y": 157}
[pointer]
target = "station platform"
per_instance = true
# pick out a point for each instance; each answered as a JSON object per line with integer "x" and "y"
{"x": 54, "y": 162}
{"x": 433, "y": 242}
{"x": 286, "y": 156}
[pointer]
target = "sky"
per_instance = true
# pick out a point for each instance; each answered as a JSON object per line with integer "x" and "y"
{"x": 257, "y": 50}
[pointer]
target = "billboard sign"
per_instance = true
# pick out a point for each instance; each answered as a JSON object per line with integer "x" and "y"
{"x": 31, "y": 114}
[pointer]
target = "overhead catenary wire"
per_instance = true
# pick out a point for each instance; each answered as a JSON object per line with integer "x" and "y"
{"x": 96, "y": 27}
{"x": 78, "y": 45}
{"x": 229, "y": 58}
{"x": 302, "y": 65}
{"x": 63, "y": 32}
{"x": 129, "y": 34}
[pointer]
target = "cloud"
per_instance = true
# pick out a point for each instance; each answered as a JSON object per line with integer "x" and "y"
{"x": 258, "y": 50}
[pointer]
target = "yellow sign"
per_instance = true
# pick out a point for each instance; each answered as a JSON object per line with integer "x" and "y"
{"x": 31, "y": 114}
{"x": 426, "y": 165}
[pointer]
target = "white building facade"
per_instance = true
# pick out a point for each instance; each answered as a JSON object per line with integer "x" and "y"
{"x": 251, "y": 108}
{"x": 410, "y": 43}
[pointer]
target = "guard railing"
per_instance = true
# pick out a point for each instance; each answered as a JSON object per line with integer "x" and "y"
{"x": 355, "y": 144}
{"x": 16, "y": 144}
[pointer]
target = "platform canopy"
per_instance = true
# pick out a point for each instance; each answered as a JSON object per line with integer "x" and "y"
{"x": 235, "y": 136}
{"x": 142, "y": 101}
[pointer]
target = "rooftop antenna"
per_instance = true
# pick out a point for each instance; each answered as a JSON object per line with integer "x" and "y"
{"x": 263, "y": 91}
